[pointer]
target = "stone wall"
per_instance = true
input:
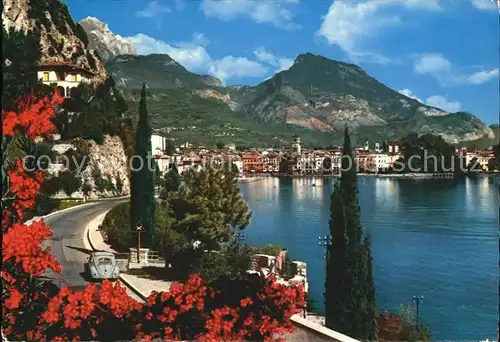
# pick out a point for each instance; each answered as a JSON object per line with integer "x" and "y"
{"x": 307, "y": 330}
{"x": 108, "y": 160}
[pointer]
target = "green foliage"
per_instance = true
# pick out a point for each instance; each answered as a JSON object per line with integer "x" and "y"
{"x": 142, "y": 178}
{"x": 127, "y": 137}
{"x": 100, "y": 112}
{"x": 119, "y": 184}
{"x": 229, "y": 262}
{"x": 269, "y": 249}
{"x": 51, "y": 186}
{"x": 78, "y": 160}
{"x": 209, "y": 207}
{"x": 86, "y": 188}
{"x": 435, "y": 154}
{"x": 350, "y": 293}
{"x": 69, "y": 182}
{"x": 172, "y": 181}
{"x": 116, "y": 226}
{"x": 100, "y": 182}
{"x": 21, "y": 54}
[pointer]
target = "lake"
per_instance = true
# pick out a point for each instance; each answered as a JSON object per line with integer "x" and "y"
{"x": 435, "y": 238}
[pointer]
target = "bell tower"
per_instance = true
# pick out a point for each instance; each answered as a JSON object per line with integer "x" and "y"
{"x": 296, "y": 150}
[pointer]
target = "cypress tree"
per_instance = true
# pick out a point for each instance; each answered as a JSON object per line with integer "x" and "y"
{"x": 142, "y": 200}
{"x": 350, "y": 292}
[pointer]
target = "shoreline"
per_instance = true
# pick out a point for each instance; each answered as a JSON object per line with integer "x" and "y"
{"x": 253, "y": 178}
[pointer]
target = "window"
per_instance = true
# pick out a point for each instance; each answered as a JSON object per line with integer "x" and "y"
{"x": 73, "y": 78}
{"x": 46, "y": 76}
{"x": 105, "y": 261}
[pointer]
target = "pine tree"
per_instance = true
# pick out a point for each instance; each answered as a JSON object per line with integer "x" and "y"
{"x": 142, "y": 201}
{"x": 350, "y": 292}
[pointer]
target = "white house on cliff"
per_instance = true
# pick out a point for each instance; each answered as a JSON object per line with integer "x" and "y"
{"x": 63, "y": 75}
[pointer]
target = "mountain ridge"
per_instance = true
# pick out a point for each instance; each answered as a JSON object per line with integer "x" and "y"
{"x": 316, "y": 93}
{"x": 107, "y": 44}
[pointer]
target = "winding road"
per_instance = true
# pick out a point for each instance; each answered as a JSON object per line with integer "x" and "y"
{"x": 67, "y": 244}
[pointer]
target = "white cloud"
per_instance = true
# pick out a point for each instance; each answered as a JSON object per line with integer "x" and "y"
{"x": 443, "y": 103}
{"x": 431, "y": 63}
{"x": 441, "y": 68}
{"x": 486, "y": 5}
{"x": 153, "y": 9}
{"x": 230, "y": 66}
{"x": 348, "y": 23}
{"x": 276, "y": 13}
{"x": 200, "y": 39}
{"x": 195, "y": 58}
{"x": 481, "y": 77}
{"x": 437, "y": 101}
{"x": 279, "y": 63}
{"x": 407, "y": 92}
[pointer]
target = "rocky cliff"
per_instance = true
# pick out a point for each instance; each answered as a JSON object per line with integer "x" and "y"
{"x": 61, "y": 40}
{"x": 103, "y": 41}
{"x": 106, "y": 171}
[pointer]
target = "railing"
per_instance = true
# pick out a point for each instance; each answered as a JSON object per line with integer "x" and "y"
{"x": 154, "y": 257}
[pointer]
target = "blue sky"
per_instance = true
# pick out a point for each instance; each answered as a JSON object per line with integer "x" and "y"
{"x": 443, "y": 52}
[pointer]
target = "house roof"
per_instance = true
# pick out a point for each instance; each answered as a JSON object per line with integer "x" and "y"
{"x": 55, "y": 64}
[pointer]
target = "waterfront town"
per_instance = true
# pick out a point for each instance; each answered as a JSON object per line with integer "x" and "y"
{"x": 296, "y": 161}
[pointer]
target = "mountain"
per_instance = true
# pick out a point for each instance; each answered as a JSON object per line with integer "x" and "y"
{"x": 103, "y": 41}
{"x": 325, "y": 95}
{"x": 196, "y": 108}
{"x": 60, "y": 38}
{"x": 315, "y": 94}
{"x": 160, "y": 72}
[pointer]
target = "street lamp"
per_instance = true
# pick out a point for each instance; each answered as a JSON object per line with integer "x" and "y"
{"x": 325, "y": 241}
{"x": 139, "y": 229}
{"x": 240, "y": 236}
{"x": 417, "y": 300}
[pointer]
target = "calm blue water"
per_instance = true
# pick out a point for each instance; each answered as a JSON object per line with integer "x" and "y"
{"x": 436, "y": 238}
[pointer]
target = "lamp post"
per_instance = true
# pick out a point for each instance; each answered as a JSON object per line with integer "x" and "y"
{"x": 417, "y": 300}
{"x": 327, "y": 242}
{"x": 240, "y": 236}
{"x": 139, "y": 228}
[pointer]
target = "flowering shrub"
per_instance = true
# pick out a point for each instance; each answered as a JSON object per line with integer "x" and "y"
{"x": 247, "y": 309}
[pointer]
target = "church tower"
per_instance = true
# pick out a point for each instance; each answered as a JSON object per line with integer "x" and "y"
{"x": 296, "y": 150}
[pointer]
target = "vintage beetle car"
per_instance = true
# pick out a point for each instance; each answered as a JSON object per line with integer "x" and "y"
{"x": 102, "y": 265}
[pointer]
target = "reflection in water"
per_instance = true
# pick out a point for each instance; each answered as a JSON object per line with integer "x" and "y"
{"x": 387, "y": 193}
{"x": 308, "y": 188}
{"x": 436, "y": 238}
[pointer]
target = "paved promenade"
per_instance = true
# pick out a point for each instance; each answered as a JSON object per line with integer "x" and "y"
{"x": 141, "y": 285}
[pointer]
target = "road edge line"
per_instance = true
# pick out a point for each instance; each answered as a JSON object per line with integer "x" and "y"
{"x": 123, "y": 280}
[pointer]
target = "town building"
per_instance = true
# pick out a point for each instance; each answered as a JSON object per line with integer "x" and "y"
{"x": 64, "y": 76}
{"x": 252, "y": 163}
{"x": 158, "y": 144}
{"x": 271, "y": 162}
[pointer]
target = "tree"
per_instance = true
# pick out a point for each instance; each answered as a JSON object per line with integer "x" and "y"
{"x": 350, "y": 293}
{"x": 220, "y": 145}
{"x": 172, "y": 179}
{"x": 142, "y": 202}
{"x": 209, "y": 207}
{"x": 69, "y": 182}
{"x": 21, "y": 54}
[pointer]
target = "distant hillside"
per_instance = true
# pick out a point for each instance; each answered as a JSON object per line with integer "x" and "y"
{"x": 325, "y": 95}
{"x": 316, "y": 97}
{"x": 485, "y": 142}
